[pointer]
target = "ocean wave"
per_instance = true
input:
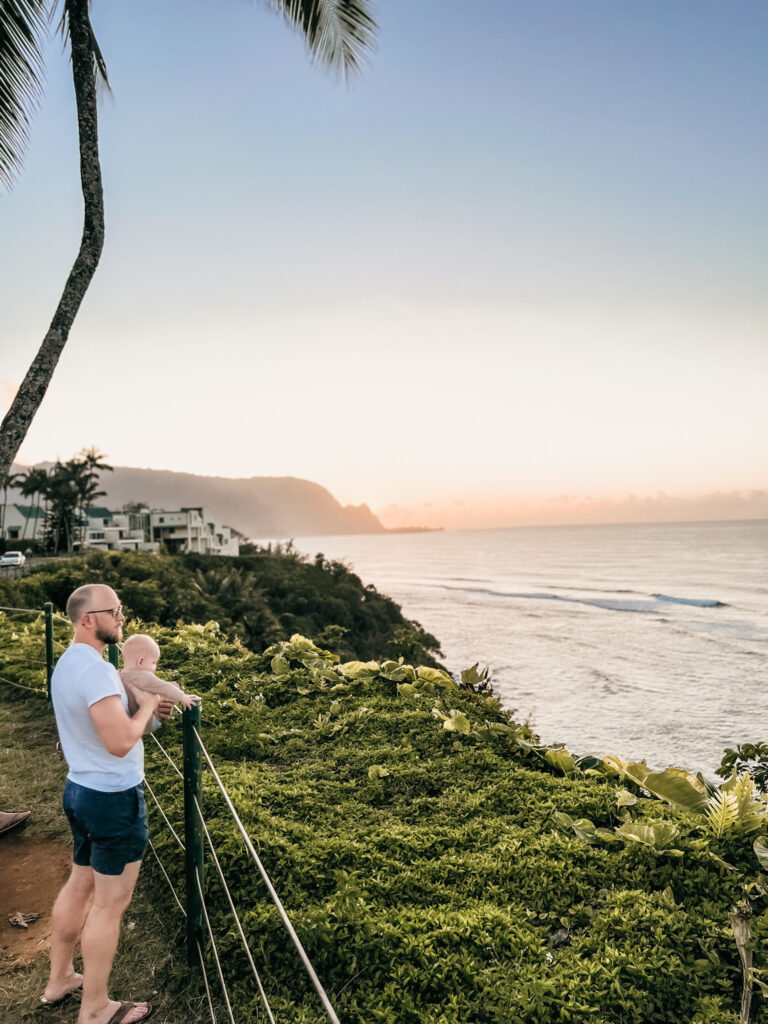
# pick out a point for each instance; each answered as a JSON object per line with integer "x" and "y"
{"x": 612, "y": 604}
{"x": 698, "y": 603}
{"x": 607, "y": 603}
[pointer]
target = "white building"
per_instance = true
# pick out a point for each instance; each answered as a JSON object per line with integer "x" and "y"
{"x": 193, "y": 529}
{"x": 179, "y": 532}
{"x": 20, "y": 522}
{"x": 118, "y": 531}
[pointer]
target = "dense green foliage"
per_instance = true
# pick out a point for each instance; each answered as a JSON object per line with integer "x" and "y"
{"x": 420, "y": 842}
{"x": 259, "y": 598}
{"x": 66, "y": 490}
{"x": 439, "y": 863}
{"x": 751, "y": 757}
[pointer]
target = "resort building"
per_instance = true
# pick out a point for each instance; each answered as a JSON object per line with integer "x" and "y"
{"x": 20, "y": 522}
{"x": 179, "y": 532}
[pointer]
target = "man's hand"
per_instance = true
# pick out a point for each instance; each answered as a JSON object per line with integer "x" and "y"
{"x": 147, "y": 700}
{"x": 164, "y": 709}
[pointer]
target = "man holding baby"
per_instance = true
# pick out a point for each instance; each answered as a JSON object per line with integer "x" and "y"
{"x": 104, "y": 803}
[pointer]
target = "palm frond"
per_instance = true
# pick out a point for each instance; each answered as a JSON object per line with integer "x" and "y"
{"x": 23, "y": 27}
{"x": 750, "y": 810}
{"x": 339, "y": 33}
{"x": 721, "y": 813}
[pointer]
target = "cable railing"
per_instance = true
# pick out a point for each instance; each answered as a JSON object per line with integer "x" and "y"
{"x": 196, "y": 840}
{"x": 49, "y": 641}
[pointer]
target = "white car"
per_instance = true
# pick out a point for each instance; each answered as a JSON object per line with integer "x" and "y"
{"x": 12, "y": 558}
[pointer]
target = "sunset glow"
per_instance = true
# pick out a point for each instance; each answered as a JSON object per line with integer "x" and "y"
{"x": 515, "y": 273}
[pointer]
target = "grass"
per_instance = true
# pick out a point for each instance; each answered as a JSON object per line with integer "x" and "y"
{"x": 151, "y": 959}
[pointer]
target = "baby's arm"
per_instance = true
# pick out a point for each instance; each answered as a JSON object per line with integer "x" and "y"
{"x": 149, "y": 681}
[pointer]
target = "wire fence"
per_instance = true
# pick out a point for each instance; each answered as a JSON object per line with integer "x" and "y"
{"x": 191, "y": 903}
{"x": 199, "y": 927}
{"x": 31, "y": 662}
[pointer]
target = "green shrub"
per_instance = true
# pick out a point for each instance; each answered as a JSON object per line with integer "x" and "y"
{"x": 425, "y": 868}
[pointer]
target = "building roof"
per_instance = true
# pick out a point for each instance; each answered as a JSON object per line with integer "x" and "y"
{"x": 97, "y": 512}
{"x": 30, "y": 513}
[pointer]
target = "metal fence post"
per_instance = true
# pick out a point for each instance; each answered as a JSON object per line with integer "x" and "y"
{"x": 193, "y": 833}
{"x": 114, "y": 655}
{"x": 48, "y": 646}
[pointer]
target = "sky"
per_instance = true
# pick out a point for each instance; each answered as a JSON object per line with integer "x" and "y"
{"x": 513, "y": 272}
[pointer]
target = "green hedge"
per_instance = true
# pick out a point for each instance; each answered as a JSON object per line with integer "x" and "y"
{"x": 409, "y": 827}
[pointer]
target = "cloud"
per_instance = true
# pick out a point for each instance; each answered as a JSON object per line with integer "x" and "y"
{"x": 570, "y": 509}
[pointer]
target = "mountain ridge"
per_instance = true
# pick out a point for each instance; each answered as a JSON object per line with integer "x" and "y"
{"x": 276, "y": 507}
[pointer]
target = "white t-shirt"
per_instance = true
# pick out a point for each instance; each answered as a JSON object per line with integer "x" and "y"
{"x": 82, "y": 678}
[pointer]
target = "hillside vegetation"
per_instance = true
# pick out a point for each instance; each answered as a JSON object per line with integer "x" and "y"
{"x": 258, "y": 506}
{"x": 439, "y": 864}
{"x": 259, "y": 598}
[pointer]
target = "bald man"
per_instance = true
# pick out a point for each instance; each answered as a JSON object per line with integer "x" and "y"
{"x": 104, "y": 803}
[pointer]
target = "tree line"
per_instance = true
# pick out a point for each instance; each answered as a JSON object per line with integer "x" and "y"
{"x": 65, "y": 492}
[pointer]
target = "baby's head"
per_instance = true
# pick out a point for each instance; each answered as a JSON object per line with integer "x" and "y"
{"x": 140, "y": 651}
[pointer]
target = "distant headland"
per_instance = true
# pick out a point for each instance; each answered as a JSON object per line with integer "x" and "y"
{"x": 258, "y": 506}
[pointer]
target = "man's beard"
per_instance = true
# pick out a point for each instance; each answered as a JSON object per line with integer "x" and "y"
{"x": 109, "y": 636}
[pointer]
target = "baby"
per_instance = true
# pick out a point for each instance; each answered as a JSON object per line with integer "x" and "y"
{"x": 140, "y": 657}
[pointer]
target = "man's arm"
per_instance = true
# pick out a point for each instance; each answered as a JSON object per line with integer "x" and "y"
{"x": 116, "y": 730}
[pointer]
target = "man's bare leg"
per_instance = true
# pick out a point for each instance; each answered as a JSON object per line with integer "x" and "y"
{"x": 112, "y": 894}
{"x": 67, "y": 919}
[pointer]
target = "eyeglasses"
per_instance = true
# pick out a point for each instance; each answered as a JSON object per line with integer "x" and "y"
{"x": 114, "y": 612}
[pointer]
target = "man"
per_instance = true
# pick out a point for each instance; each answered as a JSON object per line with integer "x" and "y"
{"x": 104, "y": 802}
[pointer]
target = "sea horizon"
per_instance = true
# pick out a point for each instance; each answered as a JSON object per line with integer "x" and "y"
{"x": 638, "y": 639}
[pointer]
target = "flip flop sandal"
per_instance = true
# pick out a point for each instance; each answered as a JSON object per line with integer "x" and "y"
{"x": 125, "y": 1008}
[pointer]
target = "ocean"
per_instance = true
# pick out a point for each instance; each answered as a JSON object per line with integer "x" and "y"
{"x": 648, "y": 641}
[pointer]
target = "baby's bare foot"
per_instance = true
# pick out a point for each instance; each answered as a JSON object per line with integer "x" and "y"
{"x": 57, "y": 990}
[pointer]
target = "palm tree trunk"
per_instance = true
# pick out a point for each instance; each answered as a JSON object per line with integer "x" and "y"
{"x": 29, "y": 396}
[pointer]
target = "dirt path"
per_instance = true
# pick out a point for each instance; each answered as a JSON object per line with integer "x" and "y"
{"x": 32, "y": 870}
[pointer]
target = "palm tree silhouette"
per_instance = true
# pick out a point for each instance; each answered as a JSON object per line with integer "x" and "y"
{"x": 338, "y": 34}
{"x": 33, "y": 485}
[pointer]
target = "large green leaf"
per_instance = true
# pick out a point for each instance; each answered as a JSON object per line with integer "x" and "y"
{"x": 280, "y": 666}
{"x": 560, "y": 758}
{"x": 677, "y": 788}
{"x": 760, "y": 846}
{"x": 360, "y": 669}
{"x": 583, "y": 827}
{"x": 437, "y": 677}
{"x": 458, "y": 722}
{"x": 721, "y": 813}
{"x": 396, "y": 672}
{"x": 657, "y": 836}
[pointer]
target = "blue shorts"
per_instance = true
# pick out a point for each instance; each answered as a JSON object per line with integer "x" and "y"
{"x": 109, "y": 829}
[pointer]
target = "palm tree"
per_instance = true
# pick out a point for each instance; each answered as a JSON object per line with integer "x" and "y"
{"x": 87, "y": 466}
{"x": 32, "y": 486}
{"x": 338, "y": 33}
{"x": 7, "y": 481}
